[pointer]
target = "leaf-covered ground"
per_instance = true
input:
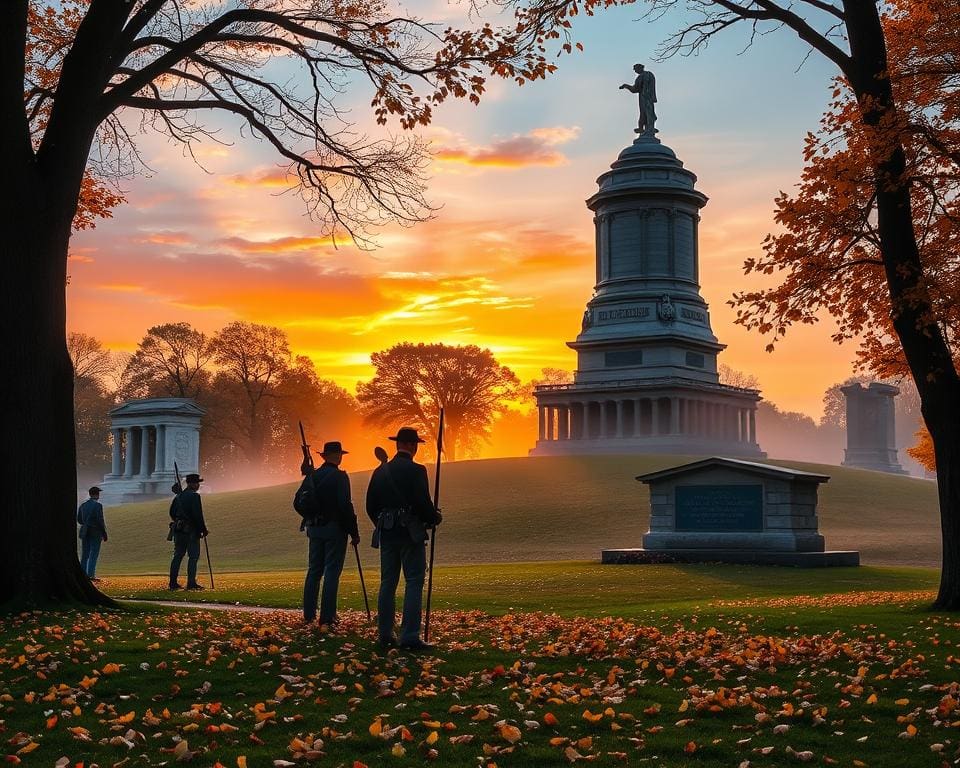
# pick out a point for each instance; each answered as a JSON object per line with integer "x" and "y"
{"x": 739, "y": 684}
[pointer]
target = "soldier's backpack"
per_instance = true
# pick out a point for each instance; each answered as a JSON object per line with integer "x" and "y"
{"x": 307, "y": 501}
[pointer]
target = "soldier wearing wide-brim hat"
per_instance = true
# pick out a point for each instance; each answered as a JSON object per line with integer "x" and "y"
{"x": 186, "y": 512}
{"x": 327, "y": 530}
{"x": 399, "y": 504}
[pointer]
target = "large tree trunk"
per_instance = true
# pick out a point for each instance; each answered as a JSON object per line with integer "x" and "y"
{"x": 38, "y": 553}
{"x": 924, "y": 345}
{"x": 945, "y": 432}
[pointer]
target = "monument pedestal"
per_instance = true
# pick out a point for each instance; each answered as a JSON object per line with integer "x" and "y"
{"x": 871, "y": 428}
{"x": 739, "y": 556}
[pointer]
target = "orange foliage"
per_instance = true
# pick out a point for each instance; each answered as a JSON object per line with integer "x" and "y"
{"x": 923, "y": 450}
{"x": 829, "y": 246}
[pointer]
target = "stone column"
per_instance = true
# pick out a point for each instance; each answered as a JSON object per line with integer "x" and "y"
{"x": 563, "y": 425}
{"x": 674, "y": 415}
{"x": 543, "y": 422}
{"x": 619, "y": 418}
{"x": 160, "y": 462}
{"x": 752, "y": 417}
{"x": 654, "y": 416}
{"x": 196, "y": 447}
{"x": 115, "y": 458}
{"x": 550, "y": 411}
{"x": 585, "y": 427}
{"x": 131, "y": 447}
{"x": 144, "y": 452}
{"x": 636, "y": 417}
{"x": 603, "y": 419}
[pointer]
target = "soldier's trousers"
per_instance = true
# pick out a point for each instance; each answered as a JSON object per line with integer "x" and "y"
{"x": 328, "y": 548}
{"x": 398, "y": 554}
{"x": 185, "y": 544}
{"x": 89, "y": 552}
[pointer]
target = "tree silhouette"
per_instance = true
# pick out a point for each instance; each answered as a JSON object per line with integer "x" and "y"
{"x": 252, "y": 361}
{"x": 79, "y": 79}
{"x": 412, "y": 382}
{"x": 89, "y": 357}
{"x": 171, "y": 360}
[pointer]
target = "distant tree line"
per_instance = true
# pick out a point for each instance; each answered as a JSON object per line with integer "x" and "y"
{"x": 255, "y": 390}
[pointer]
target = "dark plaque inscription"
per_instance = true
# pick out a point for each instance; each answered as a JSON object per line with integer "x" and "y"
{"x": 623, "y": 358}
{"x": 719, "y": 508}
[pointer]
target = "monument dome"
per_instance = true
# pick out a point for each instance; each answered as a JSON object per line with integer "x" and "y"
{"x": 646, "y": 379}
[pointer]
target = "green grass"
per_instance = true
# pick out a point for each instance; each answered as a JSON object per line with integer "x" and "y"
{"x": 569, "y": 589}
{"x": 528, "y": 509}
{"x": 847, "y": 669}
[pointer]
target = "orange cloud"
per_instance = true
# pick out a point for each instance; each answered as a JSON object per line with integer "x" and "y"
{"x": 270, "y": 178}
{"x": 166, "y": 238}
{"x": 519, "y": 151}
{"x": 291, "y": 244}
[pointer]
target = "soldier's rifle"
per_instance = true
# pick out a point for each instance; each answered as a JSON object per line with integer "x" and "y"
{"x": 433, "y": 530}
{"x": 305, "y": 447}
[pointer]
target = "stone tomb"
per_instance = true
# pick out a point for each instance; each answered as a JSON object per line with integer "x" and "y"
{"x": 727, "y": 510}
{"x": 149, "y": 435}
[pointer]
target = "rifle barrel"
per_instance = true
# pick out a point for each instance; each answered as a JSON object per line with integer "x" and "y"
{"x": 436, "y": 478}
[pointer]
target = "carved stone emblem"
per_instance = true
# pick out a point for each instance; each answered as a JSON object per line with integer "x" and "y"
{"x": 182, "y": 446}
{"x": 665, "y": 309}
{"x": 587, "y": 320}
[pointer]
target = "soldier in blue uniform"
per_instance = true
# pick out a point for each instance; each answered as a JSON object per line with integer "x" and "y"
{"x": 327, "y": 530}
{"x": 189, "y": 527}
{"x": 399, "y": 504}
{"x": 93, "y": 532}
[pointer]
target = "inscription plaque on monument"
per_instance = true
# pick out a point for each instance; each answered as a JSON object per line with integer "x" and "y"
{"x": 719, "y": 508}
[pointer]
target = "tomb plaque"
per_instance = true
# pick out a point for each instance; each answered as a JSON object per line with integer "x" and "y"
{"x": 719, "y": 508}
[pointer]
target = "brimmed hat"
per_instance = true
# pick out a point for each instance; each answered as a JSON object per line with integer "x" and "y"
{"x": 193, "y": 477}
{"x": 407, "y": 435}
{"x": 94, "y": 490}
{"x": 333, "y": 446}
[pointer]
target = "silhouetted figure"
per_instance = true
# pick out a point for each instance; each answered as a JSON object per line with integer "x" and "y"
{"x": 399, "y": 504}
{"x": 93, "y": 532}
{"x": 189, "y": 527}
{"x": 329, "y": 523}
{"x": 645, "y": 86}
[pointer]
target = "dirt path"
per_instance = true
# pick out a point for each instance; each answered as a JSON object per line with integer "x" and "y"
{"x": 208, "y": 606}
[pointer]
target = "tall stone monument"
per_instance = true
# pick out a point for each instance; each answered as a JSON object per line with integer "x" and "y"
{"x": 646, "y": 378}
{"x": 871, "y": 427}
{"x": 149, "y": 435}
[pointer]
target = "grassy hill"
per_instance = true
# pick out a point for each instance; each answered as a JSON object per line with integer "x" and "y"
{"x": 528, "y": 509}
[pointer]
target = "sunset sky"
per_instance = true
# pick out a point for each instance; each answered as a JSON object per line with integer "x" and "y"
{"x": 507, "y": 262}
